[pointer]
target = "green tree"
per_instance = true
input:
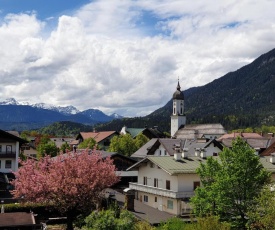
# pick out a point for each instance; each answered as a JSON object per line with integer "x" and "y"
{"x": 174, "y": 223}
{"x": 107, "y": 220}
{"x": 87, "y": 143}
{"x": 231, "y": 184}
{"x": 262, "y": 216}
{"x": 48, "y": 148}
{"x": 140, "y": 140}
{"x": 205, "y": 223}
{"x": 124, "y": 144}
{"x": 65, "y": 147}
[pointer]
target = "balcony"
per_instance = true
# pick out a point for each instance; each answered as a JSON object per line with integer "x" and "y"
{"x": 7, "y": 154}
{"x": 160, "y": 191}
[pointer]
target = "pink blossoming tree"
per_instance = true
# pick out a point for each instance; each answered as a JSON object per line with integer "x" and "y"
{"x": 69, "y": 182}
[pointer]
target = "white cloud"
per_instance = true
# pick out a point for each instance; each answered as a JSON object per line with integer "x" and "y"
{"x": 116, "y": 57}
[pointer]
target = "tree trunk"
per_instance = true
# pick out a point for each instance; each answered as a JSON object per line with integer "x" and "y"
{"x": 70, "y": 219}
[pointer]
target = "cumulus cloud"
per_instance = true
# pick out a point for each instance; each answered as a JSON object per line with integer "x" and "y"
{"x": 126, "y": 56}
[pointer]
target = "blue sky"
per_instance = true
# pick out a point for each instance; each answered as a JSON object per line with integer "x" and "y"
{"x": 44, "y": 8}
{"x": 125, "y": 56}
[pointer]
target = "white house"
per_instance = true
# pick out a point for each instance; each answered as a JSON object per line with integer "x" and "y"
{"x": 9, "y": 151}
{"x": 168, "y": 182}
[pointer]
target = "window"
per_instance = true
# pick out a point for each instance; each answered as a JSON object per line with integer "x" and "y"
{"x": 168, "y": 184}
{"x": 145, "y": 180}
{"x": 196, "y": 184}
{"x": 145, "y": 198}
{"x": 156, "y": 199}
{"x": 215, "y": 154}
{"x": 0, "y": 163}
{"x": 0, "y": 148}
{"x": 8, "y": 164}
{"x": 8, "y": 148}
{"x": 152, "y": 165}
{"x": 156, "y": 182}
{"x": 169, "y": 204}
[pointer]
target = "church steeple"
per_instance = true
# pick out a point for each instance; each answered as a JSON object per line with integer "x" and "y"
{"x": 178, "y": 117}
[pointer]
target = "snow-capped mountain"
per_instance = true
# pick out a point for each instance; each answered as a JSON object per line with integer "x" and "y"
{"x": 67, "y": 110}
{"x": 9, "y": 101}
{"x": 28, "y": 115}
{"x": 116, "y": 116}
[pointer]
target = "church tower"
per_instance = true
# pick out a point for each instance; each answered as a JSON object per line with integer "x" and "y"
{"x": 178, "y": 118}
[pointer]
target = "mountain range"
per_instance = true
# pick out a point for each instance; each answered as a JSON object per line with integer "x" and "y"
{"x": 24, "y": 116}
{"x": 240, "y": 99}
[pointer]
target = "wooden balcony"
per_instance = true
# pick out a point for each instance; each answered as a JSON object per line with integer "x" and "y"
{"x": 7, "y": 154}
{"x": 160, "y": 191}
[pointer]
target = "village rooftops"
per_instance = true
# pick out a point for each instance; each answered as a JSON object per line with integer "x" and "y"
{"x": 188, "y": 165}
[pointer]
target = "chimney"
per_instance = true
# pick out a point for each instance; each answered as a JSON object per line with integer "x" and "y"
{"x": 177, "y": 153}
{"x": 197, "y": 152}
{"x": 272, "y": 158}
{"x": 203, "y": 153}
{"x": 177, "y": 156}
{"x": 185, "y": 153}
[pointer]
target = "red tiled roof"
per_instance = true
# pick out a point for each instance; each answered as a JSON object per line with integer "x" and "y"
{"x": 269, "y": 150}
{"x": 98, "y": 136}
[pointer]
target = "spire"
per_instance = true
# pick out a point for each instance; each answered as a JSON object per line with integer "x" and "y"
{"x": 178, "y": 87}
{"x": 178, "y": 94}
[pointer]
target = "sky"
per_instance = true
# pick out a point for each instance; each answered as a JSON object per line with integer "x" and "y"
{"x": 125, "y": 56}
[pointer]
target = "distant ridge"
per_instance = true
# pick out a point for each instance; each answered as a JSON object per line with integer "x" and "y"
{"x": 24, "y": 116}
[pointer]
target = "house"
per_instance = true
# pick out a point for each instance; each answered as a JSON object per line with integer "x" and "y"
{"x": 148, "y": 132}
{"x": 254, "y": 140}
{"x": 269, "y": 150}
{"x": 102, "y": 138}
{"x": 59, "y": 141}
{"x": 10, "y": 144}
{"x": 166, "y": 147}
{"x": 29, "y": 150}
{"x": 168, "y": 182}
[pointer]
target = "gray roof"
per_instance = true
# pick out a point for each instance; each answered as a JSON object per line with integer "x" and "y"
{"x": 188, "y": 165}
{"x": 142, "y": 152}
{"x": 169, "y": 145}
{"x": 198, "y": 130}
{"x": 261, "y": 143}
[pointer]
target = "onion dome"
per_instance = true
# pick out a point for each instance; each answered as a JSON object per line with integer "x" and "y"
{"x": 178, "y": 94}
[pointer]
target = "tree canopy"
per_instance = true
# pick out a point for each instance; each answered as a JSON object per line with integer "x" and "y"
{"x": 69, "y": 182}
{"x": 126, "y": 145}
{"x": 87, "y": 143}
{"x": 262, "y": 216}
{"x": 47, "y": 148}
{"x": 230, "y": 184}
